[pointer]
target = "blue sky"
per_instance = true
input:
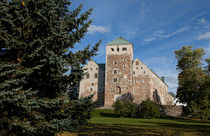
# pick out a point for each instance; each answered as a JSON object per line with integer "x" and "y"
{"x": 155, "y": 27}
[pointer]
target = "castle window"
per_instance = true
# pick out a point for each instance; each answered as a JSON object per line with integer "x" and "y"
{"x": 123, "y": 60}
{"x": 114, "y": 62}
{"x": 91, "y": 89}
{"x": 141, "y": 67}
{"x": 134, "y": 72}
{"x": 96, "y": 68}
{"x": 87, "y": 76}
{"x": 92, "y": 84}
{"x": 115, "y": 79}
{"x": 115, "y": 71}
{"x": 137, "y": 68}
{"x": 118, "y": 49}
{"x": 144, "y": 72}
{"x": 96, "y": 75}
{"x": 112, "y": 49}
{"x": 124, "y": 66}
{"x": 91, "y": 69}
{"x": 124, "y": 49}
{"x": 137, "y": 63}
{"x": 118, "y": 90}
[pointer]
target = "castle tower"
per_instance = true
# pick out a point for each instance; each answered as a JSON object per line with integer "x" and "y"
{"x": 119, "y": 70}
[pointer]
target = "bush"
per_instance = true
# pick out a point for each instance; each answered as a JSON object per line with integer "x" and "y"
{"x": 125, "y": 108}
{"x": 148, "y": 109}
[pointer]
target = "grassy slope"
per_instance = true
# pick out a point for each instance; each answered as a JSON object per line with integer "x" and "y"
{"x": 105, "y": 122}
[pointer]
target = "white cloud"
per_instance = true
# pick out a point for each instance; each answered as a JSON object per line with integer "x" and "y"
{"x": 203, "y": 21}
{"x": 207, "y": 50}
{"x": 101, "y": 29}
{"x": 159, "y": 34}
{"x": 204, "y": 36}
{"x": 149, "y": 39}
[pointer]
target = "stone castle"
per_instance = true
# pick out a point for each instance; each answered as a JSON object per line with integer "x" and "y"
{"x": 122, "y": 76}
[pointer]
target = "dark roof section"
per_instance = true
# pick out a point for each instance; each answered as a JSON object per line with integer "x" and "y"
{"x": 119, "y": 41}
{"x": 102, "y": 66}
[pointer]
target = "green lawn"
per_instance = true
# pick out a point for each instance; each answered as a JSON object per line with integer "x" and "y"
{"x": 106, "y": 123}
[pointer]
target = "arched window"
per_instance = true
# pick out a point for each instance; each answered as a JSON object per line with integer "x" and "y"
{"x": 87, "y": 76}
{"x": 118, "y": 90}
{"x": 124, "y": 49}
{"x": 112, "y": 49}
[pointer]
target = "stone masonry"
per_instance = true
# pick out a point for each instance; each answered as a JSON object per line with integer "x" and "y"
{"x": 122, "y": 76}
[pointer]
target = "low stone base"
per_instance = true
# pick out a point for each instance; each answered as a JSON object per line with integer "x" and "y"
{"x": 174, "y": 111}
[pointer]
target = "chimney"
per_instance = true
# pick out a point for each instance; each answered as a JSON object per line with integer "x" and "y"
{"x": 163, "y": 79}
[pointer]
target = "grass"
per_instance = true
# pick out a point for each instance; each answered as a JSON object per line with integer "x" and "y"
{"x": 107, "y": 123}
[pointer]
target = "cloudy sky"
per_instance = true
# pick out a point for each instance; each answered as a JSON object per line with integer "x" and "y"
{"x": 155, "y": 27}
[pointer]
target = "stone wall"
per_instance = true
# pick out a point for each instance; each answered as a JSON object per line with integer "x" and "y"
{"x": 89, "y": 85}
{"x": 174, "y": 111}
{"x": 118, "y": 81}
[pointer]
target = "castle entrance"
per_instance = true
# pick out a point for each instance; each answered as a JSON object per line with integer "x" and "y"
{"x": 118, "y": 93}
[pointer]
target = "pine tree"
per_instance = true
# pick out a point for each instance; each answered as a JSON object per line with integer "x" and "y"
{"x": 36, "y": 38}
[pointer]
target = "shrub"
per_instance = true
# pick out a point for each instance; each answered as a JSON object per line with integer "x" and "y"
{"x": 148, "y": 109}
{"x": 125, "y": 108}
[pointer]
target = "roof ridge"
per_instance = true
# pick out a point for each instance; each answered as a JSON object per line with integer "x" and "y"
{"x": 119, "y": 41}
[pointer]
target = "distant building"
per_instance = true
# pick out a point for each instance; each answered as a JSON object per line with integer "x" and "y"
{"x": 122, "y": 77}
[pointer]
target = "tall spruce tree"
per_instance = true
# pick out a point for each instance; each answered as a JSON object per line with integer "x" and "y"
{"x": 36, "y": 38}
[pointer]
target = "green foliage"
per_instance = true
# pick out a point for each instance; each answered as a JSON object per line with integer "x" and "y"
{"x": 193, "y": 79}
{"x": 125, "y": 108}
{"x": 148, "y": 109}
{"x": 36, "y": 42}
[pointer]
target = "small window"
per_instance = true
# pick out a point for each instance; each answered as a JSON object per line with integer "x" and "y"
{"x": 118, "y": 49}
{"x": 115, "y": 71}
{"x": 134, "y": 72}
{"x": 96, "y": 68}
{"x": 144, "y": 72}
{"x": 114, "y": 62}
{"x": 141, "y": 67}
{"x": 137, "y": 62}
{"x": 91, "y": 69}
{"x": 96, "y": 75}
{"x": 124, "y": 49}
{"x": 92, "y": 84}
{"x": 87, "y": 76}
{"x": 124, "y": 66}
{"x": 137, "y": 68}
{"x": 123, "y": 60}
{"x": 115, "y": 79}
{"x": 112, "y": 49}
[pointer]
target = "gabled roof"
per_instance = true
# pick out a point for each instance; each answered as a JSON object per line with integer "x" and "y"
{"x": 119, "y": 41}
{"x": 150, "y": 70}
